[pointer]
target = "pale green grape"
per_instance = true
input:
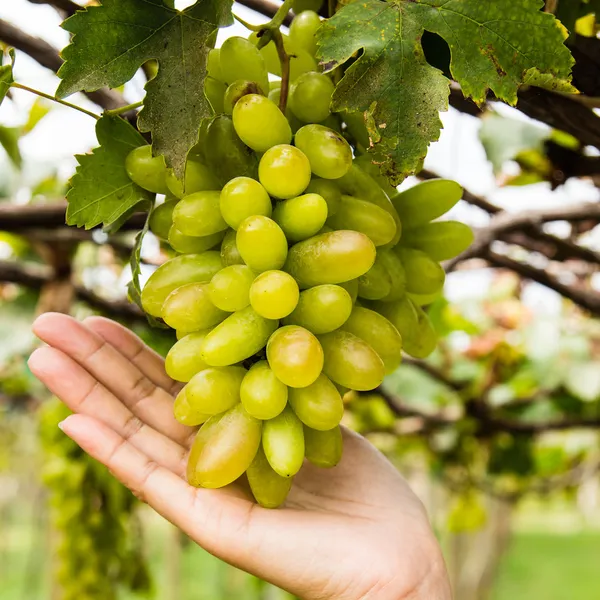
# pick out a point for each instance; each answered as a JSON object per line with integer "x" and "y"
{"x": 213, "y": 65}
{"x": 178, "y": 271}
{"x": 238, "y": 89}
{"x": 301, "y": 61}
{"x": 328, "y": 190}
{"x": 301, "y": 217}
{"x": 295, "y": 123}
{"x": 423, "y": 274}
{"x": 214, "y": 90}
{"x": 318, "y": 405}
{"x": 229, "y": 289}
{"x": 161, "y": 219}
{"x": 199, "y": 214}
{"x": 393, "y": 267}
{"x": 214, "y": 389}
{"x": 303, "y": 29}
{"x": 237, "y": 338}
{"x": 310, "y": 97}
{"x": 261, "y": 244}
{"x": 284, "y": 171}
{"x": 241, "y": 198}
{"x": 274, "y": 294}
{"x": 262, "y": 394}
{"x": 146, "y": 170}
{"x": 332, "y": 257}
{"x": 198, "y": 178}
{"x": 230, "y": 254}
{"x": 259, "y": 123}
{"x": 191, "y": 244}
{"x": 240, "y": 59}
{"x": 425, "y": 299}
{"x": 268, "y": 487}
{"x": 186, "y": 415}
{"x": 442, "y": 240}
{"x": 329, "y": 154}
{"x": 295, "y": 356}
{"x": 350, "y": 361}
{"x": 224, "y": 448}
{"x": 376, "y": 283}
{"x": 321, "y": 309}
{"x": 283, "y": 443}
{"x": 188, "y": 308}
{"x": 183, "y": 359}
{"x": 323, "y": 448}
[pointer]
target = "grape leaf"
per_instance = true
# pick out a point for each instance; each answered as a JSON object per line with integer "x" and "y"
{"x": 113, "y": 40}
{"x": 101, "y": 191}
{"x": 6, "y": 74}
{"x": 495, "y": 46}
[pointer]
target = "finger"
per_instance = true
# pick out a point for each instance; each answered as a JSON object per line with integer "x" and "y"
{"x": 83, "y": 394}
{"x": 133, "y": 349}
{"x": 146, "y": 401}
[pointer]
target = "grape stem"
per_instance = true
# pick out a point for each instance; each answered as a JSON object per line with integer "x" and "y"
{"x": 123, "y": 109}
{"x": 284, "y": 59}
{"x": 54, "y": 99}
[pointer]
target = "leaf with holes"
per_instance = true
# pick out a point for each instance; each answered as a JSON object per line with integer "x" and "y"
{"x": 112, "y": 41}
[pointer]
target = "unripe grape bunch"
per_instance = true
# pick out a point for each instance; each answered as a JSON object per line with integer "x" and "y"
{"x": 297, "y": 277}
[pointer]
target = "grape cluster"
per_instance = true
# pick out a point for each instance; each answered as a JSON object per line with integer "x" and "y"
{"x": 294, "y": 281}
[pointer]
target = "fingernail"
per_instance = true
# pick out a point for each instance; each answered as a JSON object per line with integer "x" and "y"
{"x": 61, "y": 426}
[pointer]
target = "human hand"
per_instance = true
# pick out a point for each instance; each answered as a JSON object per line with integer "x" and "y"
{"x": 353, "y": 532}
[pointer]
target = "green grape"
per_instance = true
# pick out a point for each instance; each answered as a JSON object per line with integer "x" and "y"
{"x": 425, "y": 299}
{"x": 224, "y": 448}
{"x": 214, "y": 389}
{"x": 237, "y": 338}
{"x": 310, "y": 97}
{"x": 147, "y": 171}
{"x": 283, "y": 443}
{"x": 363, "y": 216}
{"x": 259, "y": 123}
{"x": 365, "y": 162}
{"x": 295, "y": 356}
{"x": 318, "y": 405}
{"x": 241, "y": 198}
{"x": 274, "y": 294}
{"x": 393, "y": 266}
{"x": 330, "y": 258}
{"x": 303, "y": 29}
{"x": 423, "y": 274}
{"x": 198, "y": 178}
{"x": 284, "y": 171}
{"x": 301, "y": 217}
{"x": 295, "y": 123}
{"x": 261, "y": 243}
{"x": 442, "y": 240}
{"x": 240, "y": 59}
{"x": 350, "y": 361}
{"x": 226, "y": 155}
{"x": 178, "y": 271}
{"x": 238, "y": 89}
{"x": 199, "y": 214}
{"x": 376, "y": 283}
{"x": 183, "y": 359}
{"x": 299, "y": 6}
{"x": 229, "y": 289}
{"x": 426, "y": 201}
{"x": 328, "y": 190}
{"x": 426, "y": 337}
{"x": 191, "y": 244}
{"x": 301, "y": 61}
{"x": 230, "y": 254}
{"x": 323, "y": 448}
{"x": 185, "y": 414}
{"x": 355, "y": 124}
{"x": 321, "y": 309}
{"x": 268, "y": 487}
{"x": 161, "y": 219}
{"x": 329, "y": 154}
{"x": 214, "y": 90}
{"x": 213, "y": 65}
{"x": 262, "y": 394}
{"x": 188, "y": 308}
{"x": 352, "y": 288}
{"x": 379, "y": 333}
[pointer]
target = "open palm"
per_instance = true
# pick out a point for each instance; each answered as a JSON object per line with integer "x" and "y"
{"x": 354, "y": 531}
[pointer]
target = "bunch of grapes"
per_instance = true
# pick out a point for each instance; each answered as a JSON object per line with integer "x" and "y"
{"x": 294, "y": 280}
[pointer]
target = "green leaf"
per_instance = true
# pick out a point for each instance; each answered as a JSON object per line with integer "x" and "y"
{"x": 113, "y": 40}
{"x": 39, "y": 110}
{"x": 9, "y": 140}
{"x": 6, "y": 74}
{"x": 101, "y": 191}
{"x": 495, "y": 46}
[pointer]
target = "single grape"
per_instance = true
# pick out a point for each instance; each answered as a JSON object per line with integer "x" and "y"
{"x": 215, "y": 389}
{"x": 299, "y": 6}
{"x": 303, "y": 30}
{"x": 241, "y": 198}
{"x": 262, "y": 394}
{"x": 393, "y": 267}
{"x": 237, "y": 338}
{"x": 321, "y": 309}
{"x": 229, "y": 289}
{"x": 147, "y": 171}
{"x": 301, "y": 217}
{"x": 274, "y": 294}
{"x": 213, "y": 65}
{"x": 328, "y": 190}
{"x": 183, "y": 359}
{"x": 230, "y": 254}
{"x": 261, "y": 243}
{"x": 199, "y": 214}
{"x": 161, "y": 219}
{"x": 259, "y": 123}
{"x": 442, "y": 240}
{"x": 329, "y": 154}
{"x": 425, "y": 299}
{"x": 240, "y": 59}
{"x": 284, "y": 171}
{"x": 214, "y": 90}
{"x": 238, "y": 89}
{"x": 310, "y": 97}
{"x": 198, "y": 178}
{"x": 185, "y": 414}
{"x": 295, "y": 356}
{"x": 376, "y": 283}
{"x": 318, "y": 405}
{"x": 423, "y": 274}
{"x": 224, "y": 448}
{"x": 268, "y": 487}
{"x": 283, "y": 443}
{"x": 323, "y": 448}
{"x": 191, "y": 244}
